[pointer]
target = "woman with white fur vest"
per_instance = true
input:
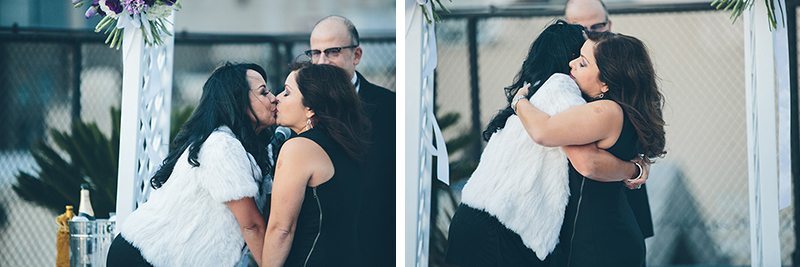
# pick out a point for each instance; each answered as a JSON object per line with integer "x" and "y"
{"x": 513, "y": 206}
{"x": 203, "y": 210}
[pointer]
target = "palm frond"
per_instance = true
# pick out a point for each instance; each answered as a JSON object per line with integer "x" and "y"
{"x": 447, "y": 120}
{"x": 737, "y": 8}
{"x": 82, "y": 155}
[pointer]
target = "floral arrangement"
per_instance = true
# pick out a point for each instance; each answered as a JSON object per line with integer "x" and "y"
{"x": 148, "y": 15}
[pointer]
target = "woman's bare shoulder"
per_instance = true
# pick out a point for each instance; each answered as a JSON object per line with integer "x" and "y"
{"x": 301, "y": 148}
{"x": 606, "y": 107}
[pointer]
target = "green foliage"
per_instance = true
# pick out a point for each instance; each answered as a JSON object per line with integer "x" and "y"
{"x": 177, "y": 118}
{"x": 91, "y": 158}
{"x": 737, "y": 8}
{"x": 436, "y": 11}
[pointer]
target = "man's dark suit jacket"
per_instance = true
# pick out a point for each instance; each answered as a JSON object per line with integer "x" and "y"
{"x": 641, "y": 210}
{"x": 376, "y": 223}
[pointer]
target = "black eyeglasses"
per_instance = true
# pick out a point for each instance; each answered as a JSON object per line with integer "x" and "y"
{"x": 332, "y": 52}
{"x": 597, "y": 27}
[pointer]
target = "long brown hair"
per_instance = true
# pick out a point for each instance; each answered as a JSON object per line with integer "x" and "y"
{"x": 626, "y": 68}
{"x": 337, "y": 109}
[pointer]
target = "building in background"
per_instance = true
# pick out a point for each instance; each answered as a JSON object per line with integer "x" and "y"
{"x": 209, "y": 16}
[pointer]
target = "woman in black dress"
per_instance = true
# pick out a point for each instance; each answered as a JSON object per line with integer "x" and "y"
{"x": 312, "y": 220}
{"x": 623, "y": 117}
{"x": 477, "y": 236}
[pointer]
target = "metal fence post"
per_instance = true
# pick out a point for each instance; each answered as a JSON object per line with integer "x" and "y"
{"x": 288, "y": 57}
{"x": 77, "y": 66}
{"x": 277, "y": 59}
{"x": 475, "y": 102}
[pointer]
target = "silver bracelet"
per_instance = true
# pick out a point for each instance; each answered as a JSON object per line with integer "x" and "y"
{"x": 641, "y": 171}
{"x": 514, "y": 102}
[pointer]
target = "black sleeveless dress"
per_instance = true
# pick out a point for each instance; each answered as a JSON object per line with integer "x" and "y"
{"x": 600, "y": 227}
{"x": 326, "y": 226}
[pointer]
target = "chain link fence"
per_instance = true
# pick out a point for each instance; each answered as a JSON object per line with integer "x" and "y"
{"x": 699, "y": 191}
{"x": 49, "y": 79}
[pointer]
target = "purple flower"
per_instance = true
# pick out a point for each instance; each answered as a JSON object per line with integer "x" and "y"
{"x": 134, "y": 6}
{"x": 90, "y": 12}
{"x": 114, "y": 5}
{"x": 97, "y": 10}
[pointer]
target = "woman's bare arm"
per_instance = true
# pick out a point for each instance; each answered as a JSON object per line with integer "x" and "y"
{"x": 292, "y": 173}
{"x": 251, "y": 224}
{"x": 600, "y": 165}
{"x": 588, "y": 123}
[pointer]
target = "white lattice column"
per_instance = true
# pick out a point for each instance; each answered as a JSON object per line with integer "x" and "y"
{"x": 413, "y": 130}
{"x": 144, "y": 126}
{"x": 766, "y": 70}
{"x": 425, "y": 137}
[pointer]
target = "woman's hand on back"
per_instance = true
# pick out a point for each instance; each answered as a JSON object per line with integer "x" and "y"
{"x": 636, "y": 183}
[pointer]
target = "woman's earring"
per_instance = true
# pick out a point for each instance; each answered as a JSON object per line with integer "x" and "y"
{"x": 600, "y": 96}
{"x": 308, "y": 126}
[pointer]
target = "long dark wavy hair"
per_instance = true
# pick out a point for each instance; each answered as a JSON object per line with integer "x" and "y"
{"x": 550, "y": 53}
{"x": 337, "y": 109}
{"x": 225, "y": 102}
{"x": 626, "y": 68}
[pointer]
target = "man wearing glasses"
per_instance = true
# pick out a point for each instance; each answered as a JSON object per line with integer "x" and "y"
{"x": 335, "y": 41}
{"x": 591, "y": 14}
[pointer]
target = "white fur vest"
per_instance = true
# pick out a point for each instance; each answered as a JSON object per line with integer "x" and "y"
{"x": 523, "y": 184}
{"x": 186, "y": 221}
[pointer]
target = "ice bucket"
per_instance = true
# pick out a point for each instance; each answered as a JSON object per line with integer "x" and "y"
{"x": 89, "y": 242}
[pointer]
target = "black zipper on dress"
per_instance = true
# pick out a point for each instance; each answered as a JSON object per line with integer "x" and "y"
{"x": 575, "y": 223}
{"x": 319, "y": 206}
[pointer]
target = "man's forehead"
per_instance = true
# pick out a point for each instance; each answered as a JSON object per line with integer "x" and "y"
{"x": 584, "y": 10}
{"x": 584, "y": 15}
{"x": 330, "y": 29}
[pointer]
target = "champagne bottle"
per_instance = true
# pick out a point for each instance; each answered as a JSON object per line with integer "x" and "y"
{"x": 85, "y": 249}
{"x": 85, "y": 208}
{"x": 62, "y": 238}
